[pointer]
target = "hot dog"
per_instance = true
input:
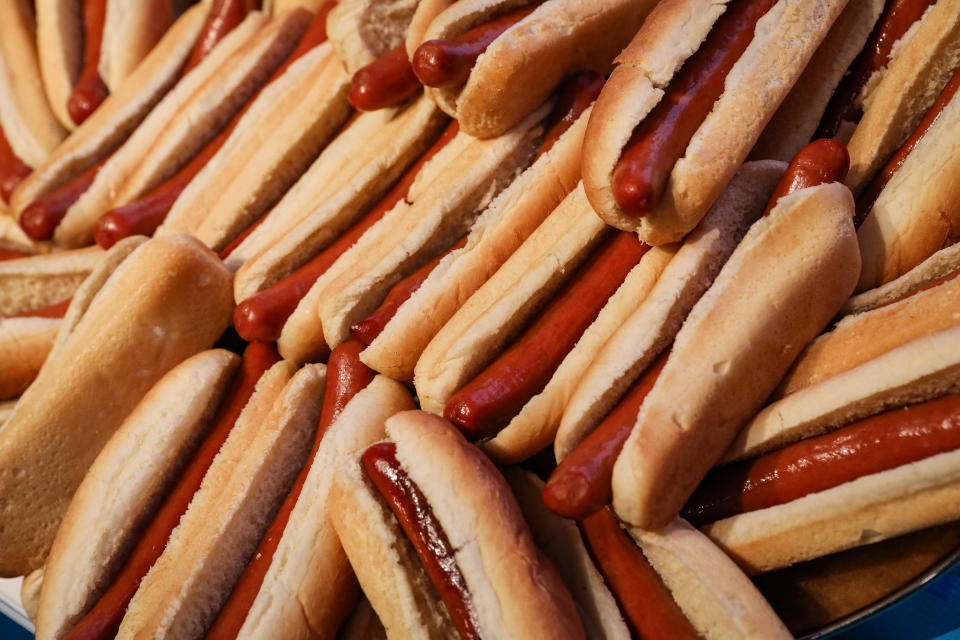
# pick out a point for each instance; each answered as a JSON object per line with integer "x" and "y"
{"x": 12, "y": 169}
{"x": 90, "y": 89}
{"x": 657, "y": 167}
{"x": 28, "y": 283}
{"x": 385, "y": 82}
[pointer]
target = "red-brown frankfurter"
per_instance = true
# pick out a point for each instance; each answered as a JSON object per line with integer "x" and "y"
{"x": 224, "y": 15}
{"x": 90, "y": 89}
{"x": 385, "y": 82}
{"x": 12, "y": 168}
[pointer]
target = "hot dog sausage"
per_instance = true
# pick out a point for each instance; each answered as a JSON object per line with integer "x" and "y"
{"x": 103, "y": 621}
{"x": 90, "y": 89}
{"x": 820, "y": 162}
{"x": 422, "y": 528}
{"x": 385, "y": 82}
{"x": 40, "y": 218}
{"x": 265, "y": 314}
{"x": 488, "y": 403}
{"x": 12, "y": 169}
{"x": 447, "y": 63}
{"x": 644, "y": 601}
{"x": 12, "y": 255}
{"x": 346, "y": 377}
{"x": 644, "y": 167}
{"x": 869, "y": 446}
{"x": 580, "y": 485}
{"x": 223, "y": 17}
{"x": 56, "y": 310}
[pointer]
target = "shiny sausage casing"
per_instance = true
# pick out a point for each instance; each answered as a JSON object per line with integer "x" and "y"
{"x": 820, "y": 162}
{"x": 385, "y": 82}
{"x": 90, "y": 89}
{"x": 40, "y": 218}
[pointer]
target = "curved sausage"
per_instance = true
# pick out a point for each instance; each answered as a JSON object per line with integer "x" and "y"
{"x": 224, "y": 15}
{"x": 644, "y": 167}
{"x": 40, "y": 218}
{"x": 103, "y": 620}
{"x": 447, "y": 63}
{"x": 487, "y": 404}
{"x": 12, "y": 169}
{"x": 262, "y": 316}
{"x": 644, "y": 601}
{"x": 869, "y": 446}
{"x": 820, "y": 162}
{"x": 416, "y": 518}
{"x": 90, "y": 89}
{"x": 576, "y": 93}
{"x": 346, "y": 377}
{"x": 385, "y": 82}
{"x": 581, "y": 483}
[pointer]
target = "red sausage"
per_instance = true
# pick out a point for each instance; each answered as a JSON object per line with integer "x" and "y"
{"x": 90, "y": 89}
{"x": 643, "y": 599}
{"x": 897, "y": 18}
{"x": 447, "y": 63}
{"x": 869, "y": 196}
{"x": 385, "y": 82}
{"x": 576, "y": 93}
{"x": 56, "y": 310}
{"x": 13, "y": 255}
{"x": 820, "y": 162}
{"x": 416, "y": 518}
{"x": 869, "y": 446}
{"x": 265, "y": 313}
{"x": 223, "y": 17}
{"x": 40, "y": 218}
{"x": 346, "y": 377}
{"x": 660, "y": 140}
{"x": 581, "y": 483}
{"x": 488, "y": 403}
{"x": 12, "y": 169}
{"x": 143, "y": 216}
{"x": 103, "y": 621}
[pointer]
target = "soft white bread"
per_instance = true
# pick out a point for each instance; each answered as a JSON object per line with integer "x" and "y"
{"x": 864, "y": 336}
{"x": 500, "y": 308}
{"x": 24, "y": 345}
{"x": 169, "y": 299}
{"x": 60, "y": 44}
{"x": 190, "y": 115}
{"x": 782, "y": 285}
{"x": 125, "y": 484}
{"x": 424, "y": 15}
{"x": 522, "y": 67}
{"x": 713, "y": 593}
{"x": 940, "y": 264}
{"x": 39, "y": 281}
{"x": 441, "y": 207}
{"x": 181, "y": 594}
{"x": 346, "y": 180}
{"x": 869, "y": 509}
{"x": 514, "y": 591}
{"x": 922, "y": 369}
{"x": 310, "y": 588}
{"x": 784, "y": 40}
{"x": 278, "y": 137}
{"x": 656, "y": 319}
{"x": 30, "y": 591}
{"x": 363, "y": 30}
{"x": 795, "y": 122}
{"x": 130, "y": 30}
{"x": 560, "y": 540}
{"x": 116, "y": 118}
{"x": 896, "y": 98}
{"x": 28, "y": 124}
{"x": 12, "y": 237}
{"x": 506, "y": 223}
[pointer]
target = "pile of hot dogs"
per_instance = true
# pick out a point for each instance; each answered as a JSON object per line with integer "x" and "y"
{"x": 691, "y": 261}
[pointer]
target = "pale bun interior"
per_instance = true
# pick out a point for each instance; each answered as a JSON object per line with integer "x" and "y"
{"x": 39, "y": 281}
{"x": 363, "y": 30}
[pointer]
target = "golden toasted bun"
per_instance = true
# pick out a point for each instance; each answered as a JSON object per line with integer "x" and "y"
{"x": 345, "y": 181}
{"x": 714, "y": 595}
{"x": 363, "y": 30}
{"x": 309, "y": 564}
{"x": 118, "y": 115}
{"x": 514, "y": 591}
{"x": 897, "y": 97}
{"x": 125, "y": 483}
{"x": 560, "y": 540}
{"x": 28, "y": 124}
{"x": 795, "y": 122}
{"x": 523, "y": 66}
{"x": 864, "y": 336}
{"x": 6, "y": 410}
{"x": 24, "y": 345}
{"x": 190, "y": 115}
{"x": 506, "y": 223}
{"x": 785, "y": 39}
{"x": 938, "y": 265}
{"x": 130, "y": 30}
{"x": 782, "y": 285}
{"x": 169, "y": 299}
{"x": 689, "y": 270}
{"x": 181, "y": 594}
{"x": 869, "y": 509}
{"x": 39, "y": 281}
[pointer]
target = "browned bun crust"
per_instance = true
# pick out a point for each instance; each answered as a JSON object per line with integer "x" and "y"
{"x": 520, "y": 69}
{"x": 513, "y": 587}
{"x": 169, "y": 299}
{"x": 789, "y": 34}
{"x": 24, "y": 345}
{"x": 782, "y": 285}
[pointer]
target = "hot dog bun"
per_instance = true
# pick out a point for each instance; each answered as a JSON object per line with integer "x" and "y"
{"x": 167, "y": 300}
{"x": 24, "y": 345}
{"x": 130, "y": 30}
{"x": 363, "y": 30}
{"x": 789, "y": 32}
{"x": 39, "y": 281}
{"x": 804, "y": 257}
{"x": 514, "y": 590}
